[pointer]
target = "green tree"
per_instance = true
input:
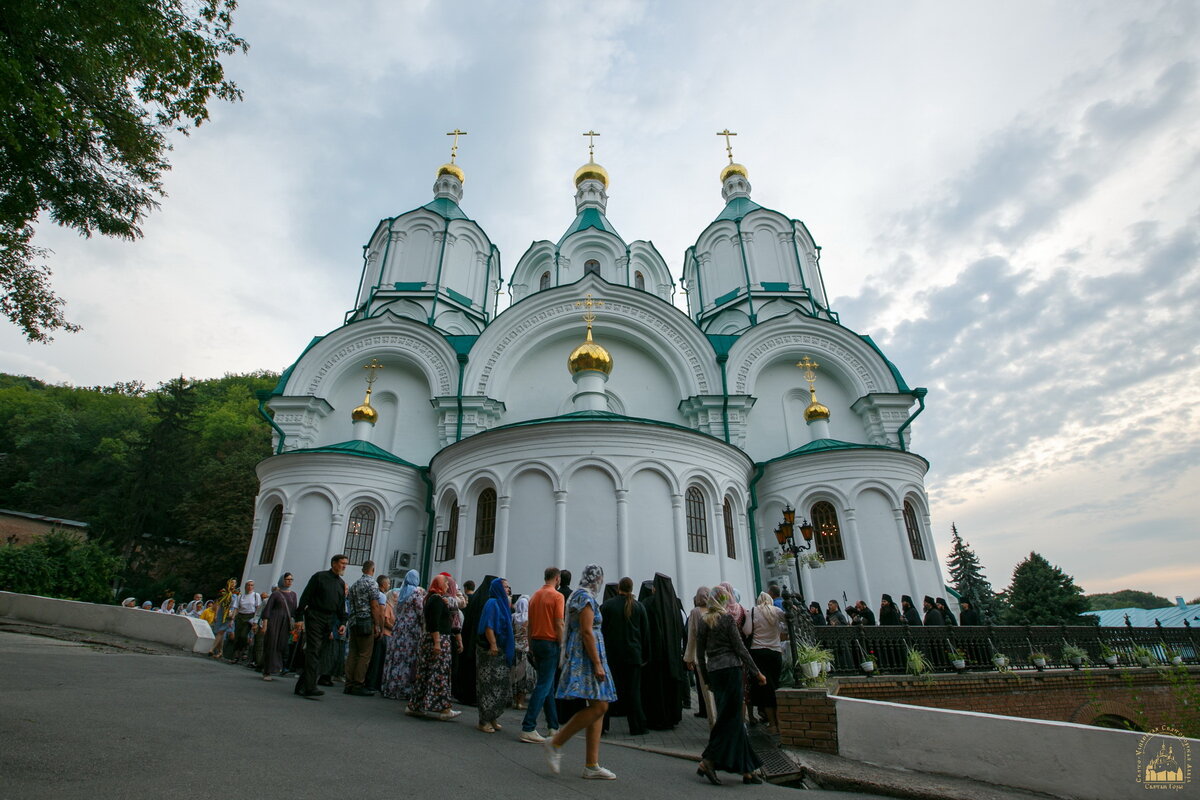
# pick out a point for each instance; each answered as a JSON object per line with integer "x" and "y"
{"x": 1126, "y": 598}
{"x": 60, "y": 564}
{"x": 1042, "y": 594}
{"x": 966, "y": 573}
{"x": 88, "y": 93}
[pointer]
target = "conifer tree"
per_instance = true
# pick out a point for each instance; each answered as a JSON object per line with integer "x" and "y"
{"x": 1042, "y": 594}
{"x": 966, "y": 573}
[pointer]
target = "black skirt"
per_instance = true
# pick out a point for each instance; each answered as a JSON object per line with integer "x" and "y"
{"x": 770, "y": 664}
{"x": 729, "y": 747}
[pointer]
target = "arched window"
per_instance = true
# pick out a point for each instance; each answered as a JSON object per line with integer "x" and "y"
{"x": 730, "y": 545}
{"x": 639, "y": 281}
{"x": 591, "y": 267}
{"x": 828, "y": 534}
{"x": 447, "y": 544}
{"x": 485, "y": 522}
{"x": 697, "y": 522}
{"x": 360, "y": 534}
{"x": 914, "y": 532}
{"x": 272, "y": 537}
{"x": 544, "y": 283}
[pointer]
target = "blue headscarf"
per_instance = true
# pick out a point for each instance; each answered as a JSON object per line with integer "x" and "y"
{"x": 411, "y": 581}
{"x": 497, "y": 615}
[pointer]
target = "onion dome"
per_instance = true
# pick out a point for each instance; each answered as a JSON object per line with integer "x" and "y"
{"x": 452, "y": 169}
{"x": 589, "y": 356}
{"x": 365, "y": 413}
{"x": 591, "y": 171}
{"x": 815, "y": 410}
{"x": 734, "y": 169}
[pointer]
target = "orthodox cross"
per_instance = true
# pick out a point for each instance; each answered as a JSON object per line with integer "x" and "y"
{"x": 454, "y": 147}
{"x": 589, "y": 316}
{"x": 371, "y": 376}
{"x": 591, "y": 147}
{"x": 808, "y": 365}
{"x": 728, "y": 146}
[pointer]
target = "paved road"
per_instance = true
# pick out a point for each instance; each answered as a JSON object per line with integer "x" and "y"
{"x": 85, "y": 721}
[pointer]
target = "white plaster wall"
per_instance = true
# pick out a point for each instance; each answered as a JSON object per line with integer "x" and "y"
{"x": 651, "y": 535}
{"x": 407, "y": 424}
{"x": 883, "y": 547}
{"x": 1058, "y": 758}
{"x": 531, "y": 517}
{"x": 591, "y": 522}
{"x": 782, "y": 397}
{"x": 307, "y": 542}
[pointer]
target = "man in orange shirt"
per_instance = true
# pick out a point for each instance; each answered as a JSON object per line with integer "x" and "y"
{"x": 546, "y": 609}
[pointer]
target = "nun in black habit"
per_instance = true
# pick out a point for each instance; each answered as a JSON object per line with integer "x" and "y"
{"x": 463, "y": 683}
{"x": 911, "y": 615}
{"x": 888, "y": 613}
{"x": 664, "y": 678}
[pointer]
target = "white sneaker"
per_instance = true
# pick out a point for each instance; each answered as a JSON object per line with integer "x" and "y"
{"x": 599, "y": 773}
{"x": 533, "y": 737}
{"x": 553, "y": 756}
{"x": 448, "y": 715}
{"x": 551, "y": 733}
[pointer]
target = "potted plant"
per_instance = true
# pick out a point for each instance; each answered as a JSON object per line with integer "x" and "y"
{"x": 811, "y": 658}
{"x": 868, "y": 663}
{"x": 1144, "y": 655}
{"x": 1039, "y": 659}
{"x": 958, "y": 658}
{"x": 916, "y": 662}
{"x": 1109, "y": 655}
{"x": 1173, "y": 656}
{"x": 1074, "y": 655}
{"x": 1000, "y": 660}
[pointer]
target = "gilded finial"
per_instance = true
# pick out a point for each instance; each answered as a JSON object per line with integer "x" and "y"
{"x": 366, "y": 411}
{"x": 589, "y": 355}
{"x": 815, "y": 410}
{"x": 731, "y": 168}
{"x": 591, "y": 170}
{"x": 454, "y": 146}
{"x": 450, "y": 168}
{"x": 728, "y": 145}
{"x": 589, "y": 316}
{"x": 591, "y": 144}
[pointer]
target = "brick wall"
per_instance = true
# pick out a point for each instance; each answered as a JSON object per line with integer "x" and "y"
{"x": 807, "y": 719}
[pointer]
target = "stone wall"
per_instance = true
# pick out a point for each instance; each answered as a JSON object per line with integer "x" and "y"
{"x": 807, "y": 720}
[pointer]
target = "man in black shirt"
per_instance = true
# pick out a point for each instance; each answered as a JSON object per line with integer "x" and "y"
{"x": 324, "y": 597}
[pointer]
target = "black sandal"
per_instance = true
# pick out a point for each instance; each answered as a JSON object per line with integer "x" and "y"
{"x": 705, "y": 770}
{"x": 751, "y": 778}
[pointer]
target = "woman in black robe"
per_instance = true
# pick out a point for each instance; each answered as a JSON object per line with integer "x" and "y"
{"x": 463, "y": 685}
{"x": 664, "y": 678}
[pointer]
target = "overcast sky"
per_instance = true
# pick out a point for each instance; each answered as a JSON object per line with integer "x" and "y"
{"x": 1007, "y": 196}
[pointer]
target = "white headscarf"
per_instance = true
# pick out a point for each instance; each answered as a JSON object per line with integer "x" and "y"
{"x": 521, "y": 612}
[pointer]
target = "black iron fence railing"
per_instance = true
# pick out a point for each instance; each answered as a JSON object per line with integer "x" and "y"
{"x": 984, "y": 647}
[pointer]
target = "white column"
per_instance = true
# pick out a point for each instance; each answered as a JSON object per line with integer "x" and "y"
{"x": 502, "y": 504}
{"x": 860, "y": 565}
{"x": 680, "y": 543}
{"x": 914, "y": 588}
{"x": 281, "y": 545}
{"x": 460, "y": 546}
{"x": 560, "y": 529}
{"x": 818, "y": 429}
{"x": 806, "y": 587}
{"x": 721, "y": 548}
{"x": 379, "y": 551}
{"x": 622, "y": 532}
{"x": 589, "y": 394}
{"x": 334, "y": 545}
{"x": 931, "y": 554}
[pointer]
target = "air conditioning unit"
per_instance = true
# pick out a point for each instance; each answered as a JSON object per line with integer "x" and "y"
{"x": 401, "y": 562}
{"x": 408, "y": 560}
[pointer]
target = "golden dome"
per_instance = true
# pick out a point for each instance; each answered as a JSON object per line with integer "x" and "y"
{"x": 452, "y": 169}
{"x": 815, "y": 410}
{"x": 364, "y": 412}
{"x": 589, "y": 355}
{"x": 591, "y": 171}
{"x": 734, "y": 169}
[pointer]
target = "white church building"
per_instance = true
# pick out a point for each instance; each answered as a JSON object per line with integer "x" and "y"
{"x": 592, "y": 420}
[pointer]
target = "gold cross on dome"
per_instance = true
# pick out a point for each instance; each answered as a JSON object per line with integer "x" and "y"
{"x": 808, "y": 365}
{"x": 454, "y": 147}
{"x": 728, "y": 145}
{"x": 591, "y": 146}
{"x": 589, "y": 316}
{"x": 371, "y": 376}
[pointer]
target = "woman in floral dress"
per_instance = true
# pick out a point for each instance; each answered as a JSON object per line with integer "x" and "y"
{"x": 400, "y": 663}
{"x": 431, "y": 688}
{"x": 523, "y": 676}
{"x": 585, "y": 676}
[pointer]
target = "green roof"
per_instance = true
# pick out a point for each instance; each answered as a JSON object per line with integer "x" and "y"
{"x": 830, "y": 445}
{"x": 355, "y": 448}
{"x": 737, "y": 208}
{"x": 606, "y": 416}
{"x": 590, "y": 218}
{"x": 445, "y": 207}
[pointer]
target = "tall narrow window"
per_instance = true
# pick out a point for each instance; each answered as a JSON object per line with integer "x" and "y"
{"x": 697, "y": 522}
{"x": 639, "y": 281}
{"x": 447, "y": 544}
{"x": 914, "y": 532}
{"x": 272, "y": 537}
{"x": 544, "y": 283}
{"x": 730, "y": 545}
{"x": 828, "y": 534}
{"x": 591, "y": 267}
{"x": 360, "y": 534}
{"x": 485, "y": 522}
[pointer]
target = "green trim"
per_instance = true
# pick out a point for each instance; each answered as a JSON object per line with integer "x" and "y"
{"x": 759, "y": 470}
{"x": 263, "y": 396}
{"x": 746, "y": 270}
{"x": 918, "y": 393}
{"x": 446, "y": 208}
{"x": 589, "y": 218}
{"x": 437, "y": 285}
{"x": 460, "y": 298}
{"x": 409, "y": 286}
{"x": 287, "y": 373}
{"x": 775, "y": 286}
{"x": 358, "y": 448}
{"x": 832, "y": 445}
{"x": 462, "y": 344}
{"x": 463, "y": 358}
{"x": 430, "y": 522}
{"x": 799, "y": 261}
{"x": 699, "y": 283}
{"x": 901, "y": 385}
{"x": 722, "y": 359}
{"x": 725, "y": 298}
{"x": 722, "y": 343}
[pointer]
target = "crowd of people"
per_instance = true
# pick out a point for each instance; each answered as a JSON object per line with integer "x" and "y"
{"x": 934, "y": 611}
{"x": 573, "y": 658}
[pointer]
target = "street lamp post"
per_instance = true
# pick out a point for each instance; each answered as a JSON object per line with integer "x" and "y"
{"x": 785, "y": 535}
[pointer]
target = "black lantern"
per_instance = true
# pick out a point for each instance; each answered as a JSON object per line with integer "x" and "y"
{"x": 785, "y": 535}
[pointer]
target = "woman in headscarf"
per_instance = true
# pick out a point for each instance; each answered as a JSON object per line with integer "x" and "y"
{"x": 463, "y": 680}
{"x": 762, "y": 630}
{"x": 494, "y": 656}
{"x": 734, "y": 606}
{"x": 722, "y": 657}
{"x": 523, "y": 677}
{"x": 223, "y": 617}
{"x": 699, "y": 606}
{"x": 431, "y": 689}
{"x": 277, "y": 624}
{"x": 664, "y": 678}
{"x": 626, "y": 630}
{"x": 400, "y": 660}
{"x": 584, "y": 676}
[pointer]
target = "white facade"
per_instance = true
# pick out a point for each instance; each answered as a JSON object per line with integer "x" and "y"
{"x": 672, "y": 445}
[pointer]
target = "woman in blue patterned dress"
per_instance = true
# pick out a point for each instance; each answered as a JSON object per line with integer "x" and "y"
{"x": 403, "y": 646}
{"x": 584, "y": 676}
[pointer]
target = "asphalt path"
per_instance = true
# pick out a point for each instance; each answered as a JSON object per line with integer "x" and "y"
{"x": 84, "y": 721}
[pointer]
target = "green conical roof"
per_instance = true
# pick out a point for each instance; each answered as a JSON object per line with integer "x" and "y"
{"x": 590, "y": 218}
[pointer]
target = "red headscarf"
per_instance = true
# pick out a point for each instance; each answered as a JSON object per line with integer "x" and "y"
{"x": 438, "y": 584}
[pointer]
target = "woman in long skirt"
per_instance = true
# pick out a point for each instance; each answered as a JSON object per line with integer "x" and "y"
{"x": 762, "y": 628}
{"x": 277, "y": 626}
{"x": 431, "y": 689}
{"x": 495, "y": 653}
{"x": 585, "y": 676}
{"x": 719, "y": 642}
{"x": 522, "y": 675}
{"x": 400, "y": 663}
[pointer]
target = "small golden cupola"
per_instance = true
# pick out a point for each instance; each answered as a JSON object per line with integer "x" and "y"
{"x": 735, "y": 178}
{"x": 589, "y": 355}
{"x": 815, "y": 410}
{"x": 450, "y": 168}
{"x": 365, "y": 412}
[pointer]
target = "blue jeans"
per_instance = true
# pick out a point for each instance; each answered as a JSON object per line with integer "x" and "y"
{"x": 544, "y": 657}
